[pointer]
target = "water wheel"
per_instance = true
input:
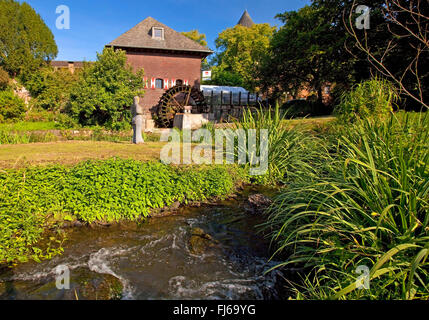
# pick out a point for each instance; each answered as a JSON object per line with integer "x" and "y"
{"x": 175, "y": 100}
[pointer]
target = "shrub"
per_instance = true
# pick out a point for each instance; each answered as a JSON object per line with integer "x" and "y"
{"x": 65, "y": 121}
{"x": 50, "y": 88}
{"x": 39, "y": 115}
{"x": 4, "y": 79}
{"x": 305, "y": 108}
{"x": 374, "y": 97}
{"x": 369, "y": 207}
{"x": 104, "y": 94}
{"x": 11, "y": 106}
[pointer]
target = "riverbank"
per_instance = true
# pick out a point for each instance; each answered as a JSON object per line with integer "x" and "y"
{"x": 210, "y": 251}
{"x": 36, "y": 199}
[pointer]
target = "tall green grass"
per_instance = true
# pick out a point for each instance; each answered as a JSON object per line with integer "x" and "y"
{"x": 370, "y": 207}
{"x": 371, "y": 98}
{"x": 28, "y": 126}
{"x": 7, "y": 137}
{"x": 291, "y": 150}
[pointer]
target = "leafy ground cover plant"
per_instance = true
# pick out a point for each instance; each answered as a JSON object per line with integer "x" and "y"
{"x": 36, "y": 198}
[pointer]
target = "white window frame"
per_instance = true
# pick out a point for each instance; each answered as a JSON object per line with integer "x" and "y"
{"x": 162, "y": 33}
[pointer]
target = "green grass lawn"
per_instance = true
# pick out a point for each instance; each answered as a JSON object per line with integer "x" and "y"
{"x": 75, "y": 151}
{"x": 72, "y": 152}
{"x": 310, "y": 122}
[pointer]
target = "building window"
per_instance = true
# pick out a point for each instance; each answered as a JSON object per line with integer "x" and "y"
{"x": 159, "y": 84}
{"x": 158, "y": 33}
{"x": 328, "y": 90}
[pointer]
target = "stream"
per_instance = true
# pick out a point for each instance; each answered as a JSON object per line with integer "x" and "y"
{"x": 158, "y": 260}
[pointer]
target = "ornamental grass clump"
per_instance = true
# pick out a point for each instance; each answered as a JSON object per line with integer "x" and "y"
{"x": 291, "y": 150}
{"x": 372, "y": 98}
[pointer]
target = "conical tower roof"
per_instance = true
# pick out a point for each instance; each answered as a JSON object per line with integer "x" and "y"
{"x": 246, "y": 20}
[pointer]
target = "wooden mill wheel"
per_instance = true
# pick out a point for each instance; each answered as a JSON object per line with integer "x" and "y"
{"x": 174, "y": 101}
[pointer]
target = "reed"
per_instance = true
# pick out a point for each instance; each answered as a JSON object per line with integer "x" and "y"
{"x": 370, "y": 207}
{"x": 291, "y": 150}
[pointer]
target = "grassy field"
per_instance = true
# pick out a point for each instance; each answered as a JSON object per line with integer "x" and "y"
{"x": 310, "y": 121}
{"x": 72, "y": 152}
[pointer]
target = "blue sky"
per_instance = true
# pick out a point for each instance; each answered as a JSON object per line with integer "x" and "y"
{"x": 94, "y": 23}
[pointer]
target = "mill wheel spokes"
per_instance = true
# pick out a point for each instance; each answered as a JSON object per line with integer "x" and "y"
{"x": 176, "y": 99}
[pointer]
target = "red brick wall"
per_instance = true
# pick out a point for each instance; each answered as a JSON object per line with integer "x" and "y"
{"x": 164, "y": 66}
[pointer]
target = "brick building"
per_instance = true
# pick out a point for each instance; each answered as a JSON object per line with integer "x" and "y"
{"x": 72, "y": 66}
{"x": 167, "y": 57}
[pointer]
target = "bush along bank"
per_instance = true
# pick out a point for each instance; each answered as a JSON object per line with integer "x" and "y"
{"x": 35, "y": 199}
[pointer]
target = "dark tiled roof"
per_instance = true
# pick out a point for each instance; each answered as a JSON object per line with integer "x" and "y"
{"x": 141, "y": 37}
{"x": 59, "y": 63}
{"x": 65, "y": 64}
{"x": 79, "y": 64}
{"x": 246, "y": 20}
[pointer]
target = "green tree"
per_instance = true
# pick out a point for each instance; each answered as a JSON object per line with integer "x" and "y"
{"x": 26, "y": 42}
{"x": 51, "y": 88}
{"x": 105, "y": 91}
{"x": 225, "y": 78}
{"x": 307, "y": 51}
{"x": 241, "y": 50}
{"x": 196, "y": 36}
{"x": 202, "y": 40}
{"x": 315, "y": 46}
{"x": 396, "y": 46}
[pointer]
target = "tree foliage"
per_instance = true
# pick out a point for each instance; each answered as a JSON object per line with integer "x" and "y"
{"x": 201, "y": 39}
{"x": 26, "y": 42}
{"x": 105, "y": 91}
{"x": 51, "y": 88}
{"x": 396, "y": 46}
{"x": 320, "y": 43}
{"x": 225, "y": 78}
{"x": 196, "y": 36}
{"x": 4, "y": 79}
{"x": 241, "y": 49}
{"x": 11, "y": 107}
{"x": 308, "y": 50}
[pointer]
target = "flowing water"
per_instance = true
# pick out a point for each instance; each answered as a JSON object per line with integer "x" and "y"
{"x": 153, "y": 260}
